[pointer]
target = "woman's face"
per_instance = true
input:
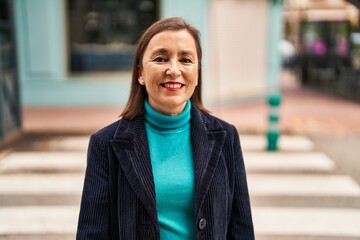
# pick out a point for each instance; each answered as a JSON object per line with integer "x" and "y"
{"x": 170, "y": 70}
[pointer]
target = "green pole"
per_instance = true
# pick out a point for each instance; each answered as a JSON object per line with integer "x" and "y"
{"x": 275, "y": 23}
{"x": 273, "y": 133}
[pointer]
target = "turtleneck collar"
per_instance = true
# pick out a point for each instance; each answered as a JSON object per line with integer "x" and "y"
{"x": 164, "y": 122}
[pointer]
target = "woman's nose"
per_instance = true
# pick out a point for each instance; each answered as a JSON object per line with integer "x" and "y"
{"x": 173, "y": 71}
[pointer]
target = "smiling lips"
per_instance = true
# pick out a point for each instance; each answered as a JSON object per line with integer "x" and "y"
{"x": 172, "y": 86}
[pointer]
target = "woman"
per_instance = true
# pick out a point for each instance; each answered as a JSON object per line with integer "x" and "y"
{"x": 167, "y": 169}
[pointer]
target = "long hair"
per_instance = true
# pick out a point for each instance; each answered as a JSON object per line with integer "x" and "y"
{"x": 135, "y": 102}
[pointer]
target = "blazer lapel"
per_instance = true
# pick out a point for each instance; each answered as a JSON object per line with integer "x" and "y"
{"x": 131, "y": 148}
{"x": 207, "y": 139}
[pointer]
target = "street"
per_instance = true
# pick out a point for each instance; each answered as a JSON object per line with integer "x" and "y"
{"x": 298, "y": 192}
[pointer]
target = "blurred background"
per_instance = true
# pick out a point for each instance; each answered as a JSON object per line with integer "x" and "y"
{"x": 286, "y": 73}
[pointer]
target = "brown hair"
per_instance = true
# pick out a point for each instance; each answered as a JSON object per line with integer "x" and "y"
{"x": 135, "y": 103}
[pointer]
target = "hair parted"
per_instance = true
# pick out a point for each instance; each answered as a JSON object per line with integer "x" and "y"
{"x": 135, "y": 102}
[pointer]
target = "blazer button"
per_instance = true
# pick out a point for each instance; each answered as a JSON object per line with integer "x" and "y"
{"x": 202, "y": 224}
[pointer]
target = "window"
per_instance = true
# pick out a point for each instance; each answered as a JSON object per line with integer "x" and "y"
{"x": 103, "y": 33}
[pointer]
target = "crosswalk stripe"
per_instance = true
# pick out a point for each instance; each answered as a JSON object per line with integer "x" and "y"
{"x": 285, "y": 143}
{"x": 43, "y": 161}
{"x": 301, "y": 185}
{"x": 307, "y": 221}
{"x": 267, "y": 220}
{"x": 260, "y": 161}
{"x": 41, "y": 184}
{"x": 38, "y": 220}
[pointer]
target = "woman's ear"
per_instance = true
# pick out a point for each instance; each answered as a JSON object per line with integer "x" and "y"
{"x": 141, "y": 80}
{"x": 140, "y": 77}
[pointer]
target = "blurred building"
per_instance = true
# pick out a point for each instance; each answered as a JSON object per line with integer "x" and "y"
{"x": 326, "y": 35}
{"x": 79, "y": 52}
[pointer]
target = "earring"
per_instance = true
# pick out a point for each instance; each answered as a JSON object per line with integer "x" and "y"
{"x": 141, "y": 82}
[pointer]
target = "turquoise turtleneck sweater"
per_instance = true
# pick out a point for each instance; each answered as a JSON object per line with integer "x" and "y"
{"x": 172, "y": 164}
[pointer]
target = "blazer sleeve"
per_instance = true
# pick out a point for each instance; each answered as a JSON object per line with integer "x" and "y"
{"x": 93, "y": 220}
{"x": 241, "y": 225}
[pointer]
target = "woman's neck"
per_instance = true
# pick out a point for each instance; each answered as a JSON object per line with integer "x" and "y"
{"x": 165, "y": 122}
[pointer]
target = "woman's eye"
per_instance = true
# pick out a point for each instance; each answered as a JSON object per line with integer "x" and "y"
{"x": 160, "y": 59}
{"x": 185, "y": 60}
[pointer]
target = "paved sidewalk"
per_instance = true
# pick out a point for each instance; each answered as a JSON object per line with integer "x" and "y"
{"x": 302, "y": 112}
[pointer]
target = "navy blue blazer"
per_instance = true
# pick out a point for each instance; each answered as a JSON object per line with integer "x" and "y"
{"x": 118, "y": 200}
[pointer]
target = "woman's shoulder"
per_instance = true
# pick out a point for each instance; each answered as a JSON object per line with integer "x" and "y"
{"x": 107, "y": 133}
{"x": 216, "y": 122}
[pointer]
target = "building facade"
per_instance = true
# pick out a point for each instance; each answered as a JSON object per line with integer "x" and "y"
{"x": 77, "y": 52}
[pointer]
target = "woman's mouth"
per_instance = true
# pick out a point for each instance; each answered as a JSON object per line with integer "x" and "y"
{"x": 172, "y": 86}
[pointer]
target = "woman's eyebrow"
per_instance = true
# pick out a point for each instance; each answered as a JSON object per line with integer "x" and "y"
{"x": 186, "y": 52}
{"x": 166, "y": 51}
{"x": 160, "y": 51}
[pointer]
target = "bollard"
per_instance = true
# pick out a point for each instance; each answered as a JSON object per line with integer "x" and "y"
{"x": 273, "y": 133}
{"x": 275, "y": 27}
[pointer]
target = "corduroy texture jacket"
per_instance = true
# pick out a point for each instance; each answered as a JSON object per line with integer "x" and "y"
{"x": 118, "y": 200}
